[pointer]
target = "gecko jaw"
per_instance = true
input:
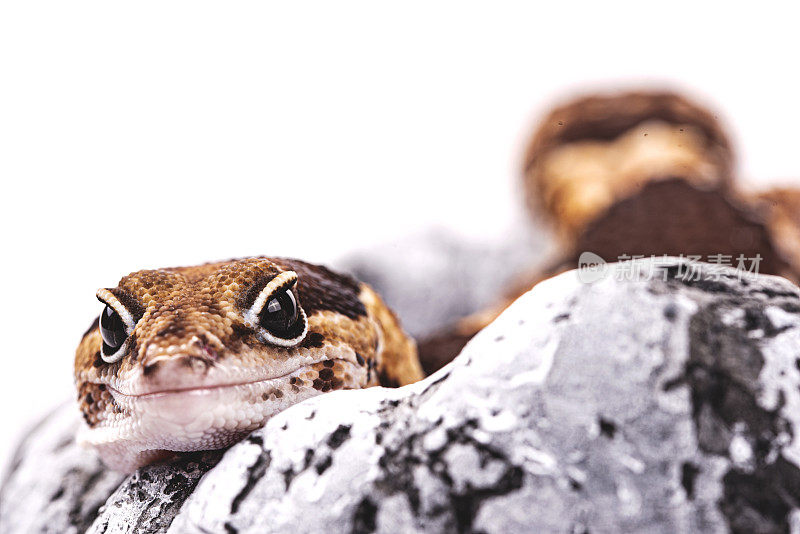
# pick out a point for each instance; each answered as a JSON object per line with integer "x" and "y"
{"x": 120, "y": 396}
{"x": 204, "y": 418}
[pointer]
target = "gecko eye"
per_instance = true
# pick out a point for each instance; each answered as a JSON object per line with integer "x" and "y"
{"x": 116, "y": 324}
{"x": 280, "y": 314}
{"x": 112, "y": 330}
{"x": 276, "y": 315}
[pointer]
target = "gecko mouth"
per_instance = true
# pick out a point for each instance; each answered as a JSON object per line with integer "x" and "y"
{"x": 163, "y": 392}
{"x": 208, "y": 415}
{"x": 196, "y": 389}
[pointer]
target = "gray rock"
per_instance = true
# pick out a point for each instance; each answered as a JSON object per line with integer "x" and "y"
{"x": 149, "y": 499}
{"x": 646, "y": 401}
{"x": 53, "y": 485}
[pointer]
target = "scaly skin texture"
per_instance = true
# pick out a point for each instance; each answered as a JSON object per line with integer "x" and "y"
{"x": 195, "y": 374}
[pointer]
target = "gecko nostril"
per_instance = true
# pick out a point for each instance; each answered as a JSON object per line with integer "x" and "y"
{"x": 205, "y": 348}
{"x": 150, "y": 368}
{"x": 210, "y": 352}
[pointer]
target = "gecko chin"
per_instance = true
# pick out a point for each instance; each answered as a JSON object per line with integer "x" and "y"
{"x": 157, "y": 424}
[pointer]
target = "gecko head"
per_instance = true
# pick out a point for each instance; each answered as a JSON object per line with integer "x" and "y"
{"x": 193, "y": 358}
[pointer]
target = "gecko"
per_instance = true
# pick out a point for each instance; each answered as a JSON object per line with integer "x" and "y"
{"x": 195, "y": 358}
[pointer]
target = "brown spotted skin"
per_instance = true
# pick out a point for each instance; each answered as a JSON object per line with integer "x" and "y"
{"x": 196, "y": 375}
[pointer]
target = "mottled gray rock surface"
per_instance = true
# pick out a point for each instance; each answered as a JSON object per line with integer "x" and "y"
{"x": 53, "y": 485}
{"x": 633, "y": 404}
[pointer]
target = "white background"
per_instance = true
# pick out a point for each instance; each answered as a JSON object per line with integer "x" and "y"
{"x": 149, "y": 134}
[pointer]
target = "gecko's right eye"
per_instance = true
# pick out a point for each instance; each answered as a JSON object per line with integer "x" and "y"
{"x": 112, "y": 330}
{"x": 116, "y": 325}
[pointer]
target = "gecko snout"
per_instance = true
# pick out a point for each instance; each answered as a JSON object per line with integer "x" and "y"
{"x": 176, "y": 365}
